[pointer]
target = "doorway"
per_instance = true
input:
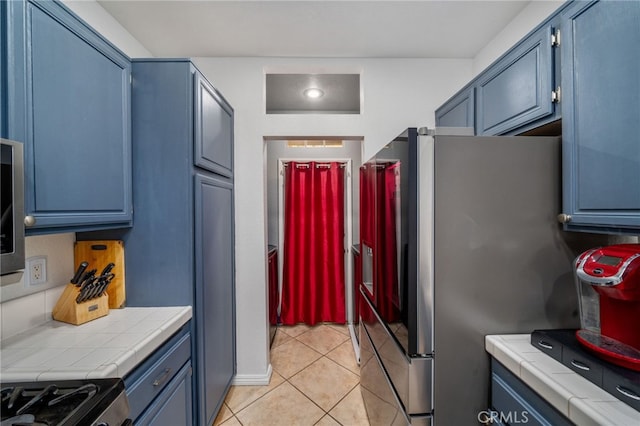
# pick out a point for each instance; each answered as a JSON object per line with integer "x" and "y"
{"x": 279, "y": 151}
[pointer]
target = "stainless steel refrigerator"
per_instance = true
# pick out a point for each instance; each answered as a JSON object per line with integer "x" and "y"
{"x": 459, "y": 240}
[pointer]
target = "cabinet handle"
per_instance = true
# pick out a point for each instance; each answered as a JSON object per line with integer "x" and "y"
{"x": 626, "y": 392}
{"x": 29, "y": 220}
{"x": 564, "y": 218}
{"x": 545, "y": 344}
{"x": 162, "y": 378}
{"x": 555, "y": 38}
{"x": 581, "y": 366}
{"x": 555, "y": 95}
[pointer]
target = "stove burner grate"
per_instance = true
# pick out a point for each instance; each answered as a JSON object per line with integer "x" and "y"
{"x": 75, "y": 402}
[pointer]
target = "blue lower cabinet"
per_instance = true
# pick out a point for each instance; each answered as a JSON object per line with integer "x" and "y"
{"x": 160, "y": 389}
{"x": 68, "y": 100}
{"x": 174, "y": 406}
{"x": 513, "y": 402}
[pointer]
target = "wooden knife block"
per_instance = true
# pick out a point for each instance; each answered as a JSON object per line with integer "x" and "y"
{"x": 67, "y": 310}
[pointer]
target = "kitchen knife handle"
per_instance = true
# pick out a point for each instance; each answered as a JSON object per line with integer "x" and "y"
{"x": 102, "y": 284}
{"x": 87, "y": 275}
{"x": 79, "y": 272}
{"x": 81, "y": 294}
{"x": 84, "y": 290}
{"x": 107, "y": 268}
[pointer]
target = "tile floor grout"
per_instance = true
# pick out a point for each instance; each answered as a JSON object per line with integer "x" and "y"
{"x": 341, "y": 399}
{"x": 303, "y": 402}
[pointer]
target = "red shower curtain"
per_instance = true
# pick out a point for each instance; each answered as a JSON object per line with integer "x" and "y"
{"x": 379, "y": 201}
{"x": 388, "y": 303}
{"x": 313, "y": 271}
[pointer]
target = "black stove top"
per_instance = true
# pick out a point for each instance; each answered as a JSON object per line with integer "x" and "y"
{"x": 64, "y": 402}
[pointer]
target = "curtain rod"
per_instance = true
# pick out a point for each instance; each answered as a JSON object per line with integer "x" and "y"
{"x": 318, "y": 165}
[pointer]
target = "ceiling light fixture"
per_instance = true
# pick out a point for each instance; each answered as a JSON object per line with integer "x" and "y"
{"x": 313, "y": 93}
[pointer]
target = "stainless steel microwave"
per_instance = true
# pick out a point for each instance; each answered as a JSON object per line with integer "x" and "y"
{"x": 12, "y": 201}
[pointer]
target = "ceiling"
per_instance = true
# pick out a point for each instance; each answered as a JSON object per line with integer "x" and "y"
{"x": 330, "y": 28}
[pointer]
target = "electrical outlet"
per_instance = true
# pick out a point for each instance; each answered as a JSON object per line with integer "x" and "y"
{"x": 37, "y": 270}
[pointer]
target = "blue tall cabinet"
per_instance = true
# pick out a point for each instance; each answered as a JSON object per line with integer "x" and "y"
{"x": 180, "y": 249}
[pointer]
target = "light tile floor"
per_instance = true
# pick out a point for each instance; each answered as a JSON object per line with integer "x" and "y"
{"x": 315, "y": 381}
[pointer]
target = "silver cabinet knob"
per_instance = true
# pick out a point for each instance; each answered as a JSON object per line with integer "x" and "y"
{"x": 29, "y": 220}
{"x": 564, "y": 218}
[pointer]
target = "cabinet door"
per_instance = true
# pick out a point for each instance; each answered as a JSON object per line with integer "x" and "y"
{"x": 517, "y": 89}
{"x": 215, "y": 294}
{"x": 459, "y": 111}
{"x": 213, "y": 129}
{"x": 174, "y": 405}
{"x": 516, "y": 403}
{"x": 601, "y": 115}
{"x": 150, "y": 380}
{"x": 70, "y": 103}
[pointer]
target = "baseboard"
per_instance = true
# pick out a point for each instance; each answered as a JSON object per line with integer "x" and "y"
{"x": 253, "y": 379}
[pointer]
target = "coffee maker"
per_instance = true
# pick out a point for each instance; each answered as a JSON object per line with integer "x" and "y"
{"x": 608, "y": 282}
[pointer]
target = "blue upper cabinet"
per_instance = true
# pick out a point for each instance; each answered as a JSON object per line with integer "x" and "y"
{"x": 601, "y": 116}
{"x": 213, "y": 129}
{"x": 459, "y": 111}
{"x": 517, "y": 89}
{"x": 68, "y": 100}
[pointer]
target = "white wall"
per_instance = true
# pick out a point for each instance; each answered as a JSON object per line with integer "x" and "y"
{"x": 95, "y": 15}
{"x": 532, "y": 15}
{"x": 23, "y": 313}
{"x": 396, "y": 94}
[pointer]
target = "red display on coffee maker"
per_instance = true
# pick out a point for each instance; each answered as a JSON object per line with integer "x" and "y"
{"x": 608, "y": 282}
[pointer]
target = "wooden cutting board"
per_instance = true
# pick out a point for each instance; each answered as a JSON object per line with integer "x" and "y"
{"x": 99, "y": 254}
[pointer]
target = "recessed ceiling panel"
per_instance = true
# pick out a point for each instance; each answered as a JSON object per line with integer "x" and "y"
{"x": 334, "y": 94}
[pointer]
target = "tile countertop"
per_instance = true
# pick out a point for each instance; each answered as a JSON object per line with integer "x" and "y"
{"x": 579, "y": 400}
{"x": 110, "y": 346}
